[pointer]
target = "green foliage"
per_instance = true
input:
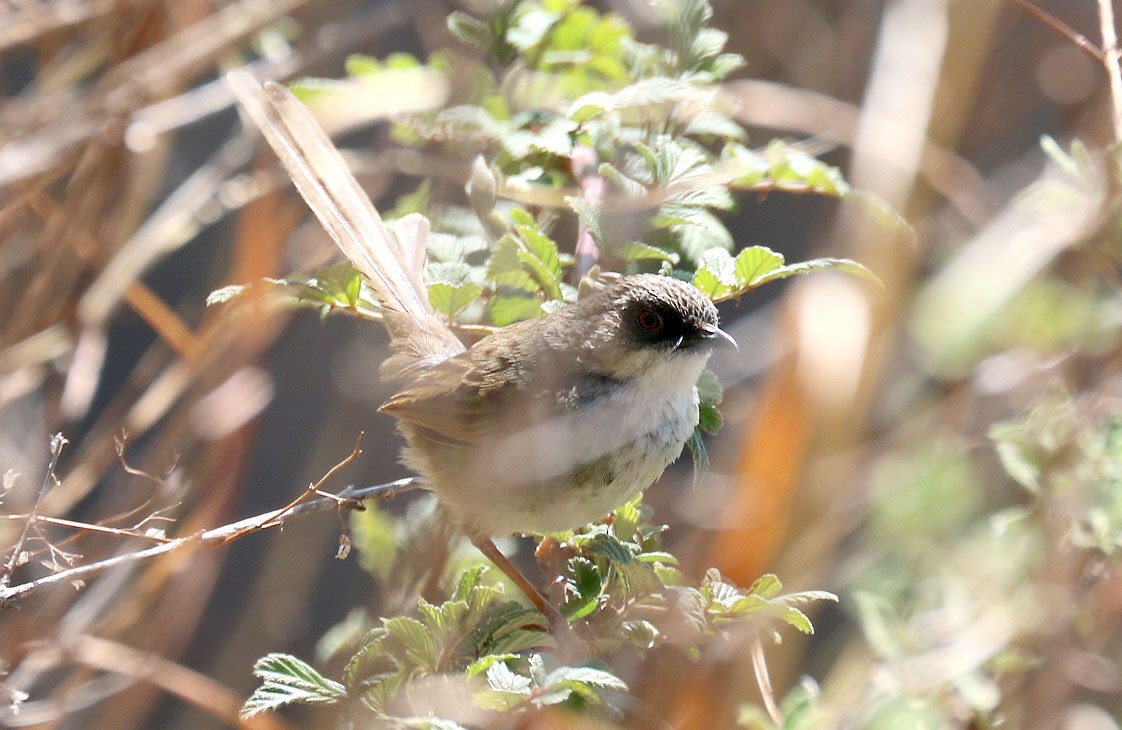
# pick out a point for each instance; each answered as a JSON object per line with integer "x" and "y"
{"x": 723, "y": 277}
{"x": 286, "y": 680}
{"x": 1057, "y": 454}
{"x": 615, "y": 584}
{"x": 559, "y": 77}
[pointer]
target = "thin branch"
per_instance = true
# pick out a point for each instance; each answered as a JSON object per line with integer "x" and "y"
{"x": 313, "y": 489}
{"x": 1110, "y": 61}
{"x": 1081, "y": 41}
{"x": 175, "y": 679}
{"x": 10, "y": 595}
{"x": 49, "y": 479}
{"x": 89, "y": 527}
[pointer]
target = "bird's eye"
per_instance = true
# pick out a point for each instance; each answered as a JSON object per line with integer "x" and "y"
{"x": 648, "y": 320}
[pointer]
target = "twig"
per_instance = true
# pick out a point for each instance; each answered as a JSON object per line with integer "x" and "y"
{"x": 1081, "y": 41}
{"x": 10, "y": 595}
{"x": 759, "y": 666}
{"x": 313, "y": 489}
{"x": 176, "y": 679}
{"x": 57, "y": 442}
{"x": 1110, "y": 61}
{"x": 89, "y": 527}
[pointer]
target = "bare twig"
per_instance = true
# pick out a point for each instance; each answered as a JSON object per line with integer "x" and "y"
{"x": 89, "y": 527}
{"x": 119, "y": 444}
{"x": 10, "y": 595}
{"x": 1111, "y": 55}
{"x": 1081, "y": 41}
{"x": 57, "y": 442}
{"x": 176, "y": 679}
{"x": 313, "y": 489}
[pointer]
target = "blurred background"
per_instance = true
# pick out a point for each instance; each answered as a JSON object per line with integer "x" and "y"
{"x": 942, "y": 453}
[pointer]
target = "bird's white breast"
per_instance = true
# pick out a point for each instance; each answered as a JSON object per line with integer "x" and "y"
{"x": 577, "y": 467}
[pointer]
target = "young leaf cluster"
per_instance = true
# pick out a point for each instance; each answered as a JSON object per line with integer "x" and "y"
{"x": 616, "y": 586}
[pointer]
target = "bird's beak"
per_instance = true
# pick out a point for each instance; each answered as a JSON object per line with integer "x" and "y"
{"x": 721, "y": 340}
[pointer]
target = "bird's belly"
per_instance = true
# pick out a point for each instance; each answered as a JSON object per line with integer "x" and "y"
{"x": 574, "y": 469}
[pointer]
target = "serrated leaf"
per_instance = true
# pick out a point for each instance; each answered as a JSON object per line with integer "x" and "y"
{"x": 639, "y": 251}
{"x": 225, "y": 294}
{"x": 468, "y": 582}
{"x": 586, "y": 676}
{"x": 796, "y": 618}
{"x": 845, "y": 266}
{"x": 450, "y": 300}
{"x": 508, "y": 309}
{"x": 716, "y": 276}
{"x": 755, "y": 262}
{"x": 588, "y": 213}
{"x": 537, "y": 669}
{"x": 501, "y": 678}
{"x": 626, "y": 519}
{"x": 419, "y": 643}
{"x": 523, "y": 639}
{"x": 803, "y": 597}
{"x": 484, "y": 663}
{"x": 709, "y": 418}
{"x": 610, "y": 548}
{"x": 709, "y": 388}
{"x": 288, "y": 680}
{"x": 538, "y": 254}
{"x": 505, "y": 267}
{"x": 371, "y": 659}
{"x": 766, "y": 586}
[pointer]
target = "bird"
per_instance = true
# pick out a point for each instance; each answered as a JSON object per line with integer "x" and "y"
{"x": 544, "y": 425}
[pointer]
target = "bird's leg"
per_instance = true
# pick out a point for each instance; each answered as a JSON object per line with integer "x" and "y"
{"x": 557, "y": 623}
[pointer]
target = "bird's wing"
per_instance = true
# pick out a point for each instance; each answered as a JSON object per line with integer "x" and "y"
{"x": 495, "y": 388}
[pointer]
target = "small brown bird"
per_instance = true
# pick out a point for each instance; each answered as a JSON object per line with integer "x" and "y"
{"x": 544, "y": 425}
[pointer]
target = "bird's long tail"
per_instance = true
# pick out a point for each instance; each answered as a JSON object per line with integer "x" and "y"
{"x": 392, "y": 265}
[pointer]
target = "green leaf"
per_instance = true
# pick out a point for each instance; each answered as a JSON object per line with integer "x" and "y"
{"x": 288, "y": 680}
{"x": 469, "y": 580}
{"x": 716, "y": 276}
{"x": 508, "y": 309}
{"x": 798, "y": 619}
{"x": 585, "y": 676}
{"x": 625, "y": 519}
{"x": 638, "y": 251}
{"x": 370, "y": 660}
{"x": 709, "y": 388}
{"x": 845, "y": 266}
{"x": 500, "y": 678}
{"x": 755, "y": 262}
{"x": 538, "y": 253}
{"x": 506, "y": 267}
{"x": 709, "y": 418}
{"x": 586, "y": 582}
{"x": 766, "y": 586}
{"x": 610, "y": 548}
{"x": 450, "y": 300}
{"x": 420, "y": 645}
{"x": 483, "y": 663}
